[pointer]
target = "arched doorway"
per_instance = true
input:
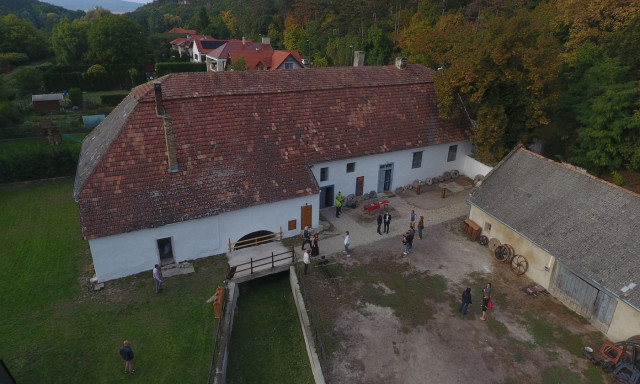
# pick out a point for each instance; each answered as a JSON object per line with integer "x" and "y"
{"x": 254, "y": 238}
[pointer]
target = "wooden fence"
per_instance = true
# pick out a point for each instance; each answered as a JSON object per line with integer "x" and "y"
{"x": 268, "y": 260}
{"x": 255, "y": 240}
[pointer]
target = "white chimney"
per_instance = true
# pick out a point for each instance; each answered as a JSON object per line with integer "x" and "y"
{"x": 244, "y": 41}
{"x": 266, "y": 40}
{"x": 358, "y": 59}
{"x": 401, "y": 62}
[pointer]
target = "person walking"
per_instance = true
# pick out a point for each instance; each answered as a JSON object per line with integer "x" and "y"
{"x": 466, "y": 301}
{"x": 387, "y": 221}
{"x": 486, "y": 298}
{"x": 156, "y": 278}
{"x": 420, "y": 227}
{"x": 306, "y": 237}
{"x": 413, "y": 218}
{"x": 306, "y": 261}
{"x": 127, "y": 354}
{"x": 347, "y": 241}
{"x": 379, "y": 223}
{"x": 315, "y": 249}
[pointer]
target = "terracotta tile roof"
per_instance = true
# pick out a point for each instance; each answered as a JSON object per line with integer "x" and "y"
{"x": 183, "y": 31}
{"x": 207, "y": 44}
{"x": 280, "y": 56}
{"x": 222, "y": 52}
{"x": 246, "y": 138}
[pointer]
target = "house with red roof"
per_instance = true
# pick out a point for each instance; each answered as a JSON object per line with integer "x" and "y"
{"x": 185, "y": 45}
{"x": 177, "y": 172}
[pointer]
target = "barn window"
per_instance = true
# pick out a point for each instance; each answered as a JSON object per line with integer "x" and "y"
{"x": 453, "y": 149}
{"x": 417, "y": 160}
{"x": 351, "y": 167}
{"x": 324, "y": 174}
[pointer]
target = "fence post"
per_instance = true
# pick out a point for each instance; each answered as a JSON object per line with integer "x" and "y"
{"x": 272, "y": 263}
{"x": 229, "y": 244}
{"x": 252, "y": 265}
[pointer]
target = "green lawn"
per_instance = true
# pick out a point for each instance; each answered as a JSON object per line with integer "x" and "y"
{"x": 267, "y": 345}
{"x": 53, "y": 331}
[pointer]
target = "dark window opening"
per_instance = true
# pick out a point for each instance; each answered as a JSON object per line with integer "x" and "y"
{"x": 324, "y": 174}
{"x": 165, "y": 250}
{"x": 351, "y": 167}
{"x": 417, "y": 160}
{"x": 453, "y": 149}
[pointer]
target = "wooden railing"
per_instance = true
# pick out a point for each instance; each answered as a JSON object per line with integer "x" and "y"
{"x": 268, "y": 260}
{"x": 255, "y": 240}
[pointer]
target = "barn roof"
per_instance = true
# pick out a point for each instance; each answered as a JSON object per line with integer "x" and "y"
{"x": 588, "y": 224}
{"x": 246, "y": 138}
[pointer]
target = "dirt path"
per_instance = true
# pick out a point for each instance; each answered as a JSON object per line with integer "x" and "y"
{"x": 388, "y": 319}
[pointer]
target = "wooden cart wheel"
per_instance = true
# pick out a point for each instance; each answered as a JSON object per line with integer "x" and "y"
{"x": 428, "y": 181}
{"x": 493, "y": 243}
{"x": 483, "y": 240}
{"x": 512, "y": 252}
{"x": 501, "y": 253}
{"x": 519, "y": 265}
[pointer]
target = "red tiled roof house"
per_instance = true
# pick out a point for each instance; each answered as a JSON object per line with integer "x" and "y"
{"x": 180, "y": 170}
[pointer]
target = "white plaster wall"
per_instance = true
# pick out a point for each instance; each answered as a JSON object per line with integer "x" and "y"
{"x": 472, "y": 167}
{"x": 625, "y": 323}
{"x": 538, "y": 259}
{"x": 129, "y": 253}
{"x": 434, "y": 163}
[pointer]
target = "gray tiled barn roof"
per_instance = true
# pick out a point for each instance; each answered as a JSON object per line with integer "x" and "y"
{"x": 588, "y": 224}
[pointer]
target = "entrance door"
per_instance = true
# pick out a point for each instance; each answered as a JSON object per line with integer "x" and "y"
{"x": 385, "y": 177}
{"x": 305, "y": 216}
{"x": 359, "y": 186}
{"x": 165, "y": 250}
{"x": 326, "y": 196}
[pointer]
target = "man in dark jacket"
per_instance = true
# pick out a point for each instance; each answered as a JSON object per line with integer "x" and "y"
{"x": 127, "y": 354}
{"x": 466, "y": 301}
{"x": 379, "y": 223}
{"x": 387, "y": 221}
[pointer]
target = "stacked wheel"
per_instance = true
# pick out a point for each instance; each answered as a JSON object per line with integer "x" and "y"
{"x": 519, "y": 265}
{"x": 502, "y": 253}
{"x": 483, "y": 240}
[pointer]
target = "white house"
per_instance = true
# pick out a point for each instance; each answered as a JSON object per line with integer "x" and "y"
{"x": 175, "y": 172}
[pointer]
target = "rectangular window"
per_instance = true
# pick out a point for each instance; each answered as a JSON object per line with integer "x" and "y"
{"x": 453, "y": 149}
{"x": 417, "y": 160}
{"x": 351, "y": 167}
{"x": 324, "y": 174}
{"x": 288, "y": 65}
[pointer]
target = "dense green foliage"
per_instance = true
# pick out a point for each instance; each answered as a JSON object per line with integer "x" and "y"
{"x": 39, "y": 162}
{"x": 113, "y": 100}
{"x": 54, "y": 331}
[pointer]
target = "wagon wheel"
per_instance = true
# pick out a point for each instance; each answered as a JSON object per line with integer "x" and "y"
{"x": 446, "y": 176}
{"x": 455, "y": 174}
{"x": 483, "y": 240}
{"x": 519, "y": 265}
{"x": 501, "y": 253}
{"x": 512, "y": 252}
{"x": 428, "y": 181}
{"x": 493, "y": 243}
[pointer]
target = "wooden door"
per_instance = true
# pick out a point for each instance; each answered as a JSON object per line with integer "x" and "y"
{"x": 305, "y": 216}
{"x": 359, "y": 186}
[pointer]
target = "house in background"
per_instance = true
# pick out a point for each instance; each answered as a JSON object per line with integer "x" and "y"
{"x": 185, "y": 45}
{"x": 270, "y": 60}
{"x": 218, "y": 59}
{"x": 177, "y": 172}
{"x": 578, "y": 233}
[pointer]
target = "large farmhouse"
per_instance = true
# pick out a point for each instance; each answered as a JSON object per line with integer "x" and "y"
{"x": 578, "y": 233}
{"x": 194, "y": 160}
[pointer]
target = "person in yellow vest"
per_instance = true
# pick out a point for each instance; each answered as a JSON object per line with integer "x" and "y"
{"x": 338, "y": 204}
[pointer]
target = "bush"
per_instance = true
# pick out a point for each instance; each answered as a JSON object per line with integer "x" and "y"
{"x": 166, "y": 68}
{"x": 96, "y": 69}
{"x": 14, "y": 58}
{"x": 618, "y": 179}
{"x": 76, "y": 97}
{"x": 40, "y": 162}
{"x": 112, "y": 99}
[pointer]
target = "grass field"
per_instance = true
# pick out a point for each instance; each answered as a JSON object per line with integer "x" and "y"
{"x": 54, "y": 331}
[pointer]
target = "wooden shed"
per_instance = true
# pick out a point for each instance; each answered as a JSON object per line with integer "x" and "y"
{"x": 48, "y": 102}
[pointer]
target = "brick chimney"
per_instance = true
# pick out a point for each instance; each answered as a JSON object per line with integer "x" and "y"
{"x": 401, "y": 63}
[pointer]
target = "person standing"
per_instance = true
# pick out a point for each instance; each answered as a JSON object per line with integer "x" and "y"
{"x": 420, "y": 227}
{"x": 338, "y": 205}
{"x": 315, "y": 249}
{"x": 127, "y": 354}
{"x": 387, "y": 221}
{"x": 156, "y": 278}
{"x": 347, "y": 241}
{"x": 306, "y": 237}
{"x": 412, "y": 218}
{"x": 411, "y": 232}
{"x": 486, "y": 297}
{"x": 306, "y": 261}
{"x": 379, "y": 223}
{"x": 466, "y": 301}
{"x": 405, "y": 242}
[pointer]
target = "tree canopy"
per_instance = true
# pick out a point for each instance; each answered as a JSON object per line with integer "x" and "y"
{"x": 117, "y": 39}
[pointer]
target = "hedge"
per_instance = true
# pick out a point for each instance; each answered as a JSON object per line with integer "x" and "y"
{"x": 166, "y": 68}
{"x": 14, "y": 58}
{"x": 61, "y": 78}
{"x": 40, "y": 163}
{"x": 112, "y": 99}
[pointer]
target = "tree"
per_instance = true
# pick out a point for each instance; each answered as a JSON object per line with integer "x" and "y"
{"x": 20, "y": 35}
{"x": 117, "y": 40}
{"x": 156, "y": 21}
{"x": 29, "y": 81}
{"x": 69, "y": 40}
{"x": 239, "y": 64}
{"x": 202, "y": 19}
{"x": 97, "y": 14}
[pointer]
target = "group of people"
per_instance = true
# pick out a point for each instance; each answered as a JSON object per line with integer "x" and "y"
{"x": 314, "y": 248}
{"x": 486, "y": 301}
{"x": 407, "y": 238}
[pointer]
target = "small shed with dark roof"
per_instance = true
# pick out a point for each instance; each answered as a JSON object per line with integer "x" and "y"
{"x": 47, "y": 102}
{"x": 578, "y": 233}
{"x": 196, "y": 160}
